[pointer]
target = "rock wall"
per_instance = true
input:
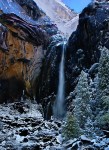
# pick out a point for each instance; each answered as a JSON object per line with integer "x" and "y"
{"x": 81, "y": 54}
{"x": 49, "y": 76}
{"x": 31, "y": 46}
{"x": 83, "y": 45}
{"x": 65, "y": 19}
{"x": 24, "y": 36}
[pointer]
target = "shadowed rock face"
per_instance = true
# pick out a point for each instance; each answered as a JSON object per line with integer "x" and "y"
{"x": 26, "y": 9}
{"x": 92, "y": 32}
{"x": 3, "y": 34}
{"x": 25, "y": 32}
{"x": 82, "y": 50}
{"x": 83, "y": 45}
{"x": 31, "y": 9}
{"x": 48, "y": 80}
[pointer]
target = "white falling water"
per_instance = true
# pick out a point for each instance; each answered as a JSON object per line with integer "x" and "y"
{"x": 59, "y": 106}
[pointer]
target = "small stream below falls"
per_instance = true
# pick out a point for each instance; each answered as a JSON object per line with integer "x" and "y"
{"x": 59, "y": 106}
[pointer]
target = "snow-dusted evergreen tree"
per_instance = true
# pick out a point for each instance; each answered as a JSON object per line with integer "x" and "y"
{"x": 82, "y": 108}
{"x": 103, "y": 78}
{"x": 71, "y": 128}
{"x": 102, "y": 97}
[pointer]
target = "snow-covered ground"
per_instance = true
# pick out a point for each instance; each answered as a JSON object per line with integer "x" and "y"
{"x": 22, "y": 127}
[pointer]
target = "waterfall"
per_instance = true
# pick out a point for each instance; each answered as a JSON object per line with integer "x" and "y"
{"x": 59, "y": 106}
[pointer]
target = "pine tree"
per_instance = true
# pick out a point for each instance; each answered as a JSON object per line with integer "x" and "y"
{"x": 82, "y": 109}
{"x": 103, "y": 78}
{"x": 71, "y": 128}
{"x": 102, "y": 97}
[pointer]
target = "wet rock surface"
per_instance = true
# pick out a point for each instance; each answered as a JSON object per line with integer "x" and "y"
{"x": 49, "y": 73}
{"x": 82, "y": 50}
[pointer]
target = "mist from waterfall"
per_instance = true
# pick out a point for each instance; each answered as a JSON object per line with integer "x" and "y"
{"x": 59, "y": 106}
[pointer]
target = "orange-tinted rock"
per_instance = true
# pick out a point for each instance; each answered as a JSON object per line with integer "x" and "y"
{"x": 22, "y": 47}
{"x": 16, "y": 61}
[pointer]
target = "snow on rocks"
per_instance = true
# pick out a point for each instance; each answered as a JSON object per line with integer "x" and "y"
{"x": 22, "y": 127}
{"x": 84, "y": 139}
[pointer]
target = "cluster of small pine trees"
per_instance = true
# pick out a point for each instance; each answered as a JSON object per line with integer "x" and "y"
{"x": 77, "y": 120}
{"x": 81, "y": 117}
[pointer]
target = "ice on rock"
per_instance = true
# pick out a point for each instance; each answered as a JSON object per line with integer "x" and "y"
{"x": 59, "y": 139}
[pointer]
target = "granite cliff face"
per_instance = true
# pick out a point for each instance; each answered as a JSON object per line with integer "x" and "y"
{"x": 65, "y": 19}
{"x": 31, "y": 47}
{"x": 84, "y": 44}
{"x": 82, "y": 52}
{"x": 24, "y": 35}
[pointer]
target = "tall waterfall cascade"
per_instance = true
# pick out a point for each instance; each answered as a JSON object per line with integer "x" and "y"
{"x": 59, "y": 106}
